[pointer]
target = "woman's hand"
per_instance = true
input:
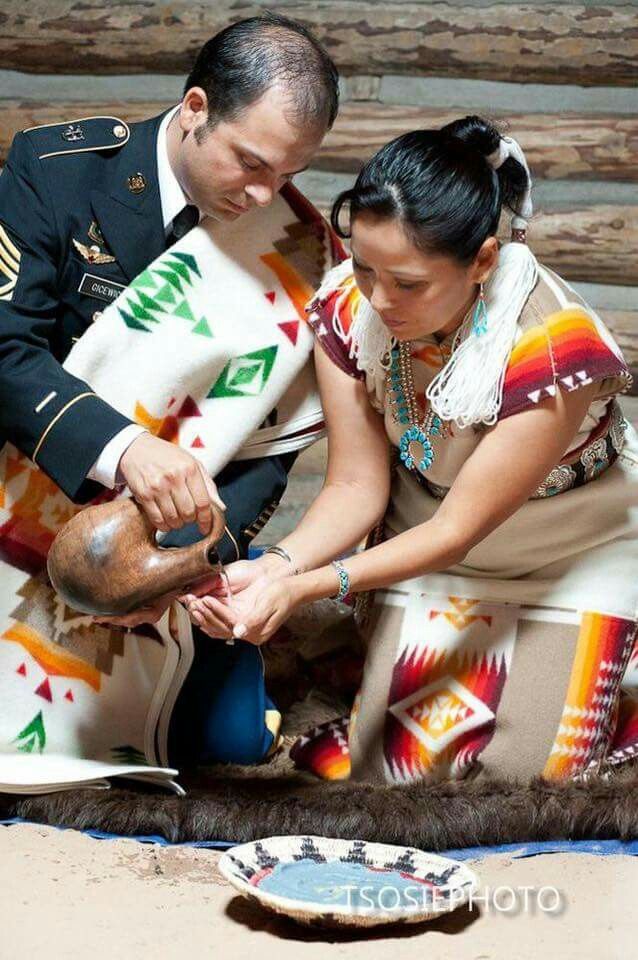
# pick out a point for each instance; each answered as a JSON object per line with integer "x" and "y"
{"x": 239, "y": 575}
{"x": 254, "y": 614}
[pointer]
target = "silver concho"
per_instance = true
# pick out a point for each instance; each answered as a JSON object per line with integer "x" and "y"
{"x": 594, "y": 459}
{"x": 617, "y": 428}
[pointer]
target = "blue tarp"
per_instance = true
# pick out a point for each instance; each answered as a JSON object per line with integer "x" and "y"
{"x": 516, "y": 851}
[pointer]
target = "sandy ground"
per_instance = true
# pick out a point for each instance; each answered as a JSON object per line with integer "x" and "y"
{"x": 65, "y": 895}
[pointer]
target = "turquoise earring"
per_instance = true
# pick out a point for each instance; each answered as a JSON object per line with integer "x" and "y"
{"x": 479, "y": 317}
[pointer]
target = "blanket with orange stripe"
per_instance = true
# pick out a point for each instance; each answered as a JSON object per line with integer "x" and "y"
{"x": 569, "y": 349}
{"x": 199, "y": 349}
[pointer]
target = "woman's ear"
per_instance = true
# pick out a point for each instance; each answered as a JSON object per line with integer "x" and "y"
{"x": 485, "y": 260}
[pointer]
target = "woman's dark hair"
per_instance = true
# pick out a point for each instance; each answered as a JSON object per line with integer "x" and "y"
{"x": 238, "y": 65}
{"x": 440, "y": 186}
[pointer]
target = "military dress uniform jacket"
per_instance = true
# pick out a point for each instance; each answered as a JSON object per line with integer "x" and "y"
{"x": 80, "y": 217}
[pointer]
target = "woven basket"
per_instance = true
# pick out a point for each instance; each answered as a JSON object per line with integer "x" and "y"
{"x": 439, "y": 884}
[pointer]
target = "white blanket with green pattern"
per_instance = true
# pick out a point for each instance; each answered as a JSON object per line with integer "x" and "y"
{"x": 212, "y": 336}
{"x": 199, "y": 349}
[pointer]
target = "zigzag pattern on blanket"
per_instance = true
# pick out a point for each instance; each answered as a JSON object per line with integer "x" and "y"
{"x": 211, "y": 333}
{"x": 436, "y": 817}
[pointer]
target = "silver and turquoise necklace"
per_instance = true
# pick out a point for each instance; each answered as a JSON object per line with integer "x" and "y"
{"x": 415, "y": 445}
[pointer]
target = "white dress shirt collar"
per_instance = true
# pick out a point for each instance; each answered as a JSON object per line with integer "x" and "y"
{"x": 172, "y": 197}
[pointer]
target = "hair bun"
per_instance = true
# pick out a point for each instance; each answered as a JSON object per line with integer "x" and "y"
{"x": 476, "y": 132}
{"x": 481, "y": 135}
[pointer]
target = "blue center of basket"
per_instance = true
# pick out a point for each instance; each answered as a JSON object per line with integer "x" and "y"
{"x": 348, "y": 884}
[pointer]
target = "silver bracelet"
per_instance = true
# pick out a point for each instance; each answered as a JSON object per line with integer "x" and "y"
{"x": 280, "y": 552}
{"x": 344, "y": 580}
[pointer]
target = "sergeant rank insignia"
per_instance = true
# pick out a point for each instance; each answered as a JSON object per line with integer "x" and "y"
{"x": 9, "y": 265}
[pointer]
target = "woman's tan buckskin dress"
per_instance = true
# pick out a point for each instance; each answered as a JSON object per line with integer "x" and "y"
{"x": 520, "y": 660}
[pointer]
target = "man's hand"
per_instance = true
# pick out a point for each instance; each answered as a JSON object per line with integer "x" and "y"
{"x": 170, "y": 485}
{"x": 211, "y": 606}
{"x": 150, "y": 613}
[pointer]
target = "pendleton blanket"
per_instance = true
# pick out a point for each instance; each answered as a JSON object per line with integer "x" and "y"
{"x": 199, "y": 349}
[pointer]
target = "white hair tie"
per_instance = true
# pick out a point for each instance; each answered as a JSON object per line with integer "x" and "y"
{"x": 500, "y": 155}
{"x": 508, "y": 147}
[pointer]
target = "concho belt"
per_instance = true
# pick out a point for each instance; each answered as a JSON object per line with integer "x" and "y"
{"x": 579, "y": 467}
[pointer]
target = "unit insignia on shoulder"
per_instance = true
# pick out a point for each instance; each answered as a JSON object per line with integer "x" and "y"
{"x": 78, "y": 136}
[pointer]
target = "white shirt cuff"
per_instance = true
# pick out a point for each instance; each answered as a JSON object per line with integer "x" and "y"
{"x": 105, "y": 468}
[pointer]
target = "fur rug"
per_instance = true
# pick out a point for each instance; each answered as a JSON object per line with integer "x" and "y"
{"x": 245, "y": 803}
{"x": 438, "y": 817}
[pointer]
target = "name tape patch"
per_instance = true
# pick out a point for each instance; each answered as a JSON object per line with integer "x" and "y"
{"x": 93, "y": 286}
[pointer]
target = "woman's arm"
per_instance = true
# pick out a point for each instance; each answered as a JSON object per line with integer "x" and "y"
{"x": 353, "y": 498}
{"x": 486, "y": 492}
{"x": 357, "y": 484}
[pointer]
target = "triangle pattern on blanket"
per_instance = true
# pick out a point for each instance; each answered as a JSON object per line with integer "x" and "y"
{"x": 75, "y": 646}
{"x": 203, "y": 328}
{"x": 34, "y": 734}
{"x": 304, "y": 249}
{"x": 162, "y": 289}
{"x": 167, "y": 427}
{"x": 291, "y": 329}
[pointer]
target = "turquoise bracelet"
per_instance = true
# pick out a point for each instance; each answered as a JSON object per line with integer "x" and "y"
{"x": 344, "y": 580}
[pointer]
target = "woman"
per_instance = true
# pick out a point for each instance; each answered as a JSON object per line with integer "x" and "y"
{"x": 505, "y": 597}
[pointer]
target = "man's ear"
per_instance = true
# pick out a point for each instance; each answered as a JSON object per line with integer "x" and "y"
{"x": 194, "y": 109}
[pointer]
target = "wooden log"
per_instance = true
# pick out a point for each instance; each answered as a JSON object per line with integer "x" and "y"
{"x": 623, "y": 326}
{"x": 557, "y": 43}
{"x": 576, "y": 146}
{"x": 594, "y": 244}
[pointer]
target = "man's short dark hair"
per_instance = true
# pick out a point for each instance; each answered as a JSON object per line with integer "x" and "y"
{"x": 238, "y": 65}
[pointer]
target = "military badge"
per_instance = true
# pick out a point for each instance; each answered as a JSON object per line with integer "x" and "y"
{"x": 9, "y": 265}
{"x": 95, "y": 234}
{"x": 136, "y": 183}
{"x": 94, "y": 286}
{"x": 73, "y": 132}
{"x": 92, "y": 254}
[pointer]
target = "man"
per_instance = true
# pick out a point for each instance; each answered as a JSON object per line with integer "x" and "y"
{"x": 86, "y": 205}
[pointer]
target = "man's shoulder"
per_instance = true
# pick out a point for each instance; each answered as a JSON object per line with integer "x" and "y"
{"x": 80, "y": 154}
{"x": 78, "y": 136}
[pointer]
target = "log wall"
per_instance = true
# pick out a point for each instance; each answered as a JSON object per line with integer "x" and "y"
{"x": 566, "y": 42}
{"x": 569, "y": 68}
{"x": 579, "y": 147}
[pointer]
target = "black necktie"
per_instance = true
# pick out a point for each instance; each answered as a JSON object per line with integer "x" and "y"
{"x": 182, "y": 223}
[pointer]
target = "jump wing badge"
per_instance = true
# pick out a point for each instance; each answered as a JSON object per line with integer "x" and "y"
{"x": 9, "y": 265}
{"x": 92, "y": 254}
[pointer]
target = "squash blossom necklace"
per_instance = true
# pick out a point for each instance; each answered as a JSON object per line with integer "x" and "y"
{"x": 415, "y": 445}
